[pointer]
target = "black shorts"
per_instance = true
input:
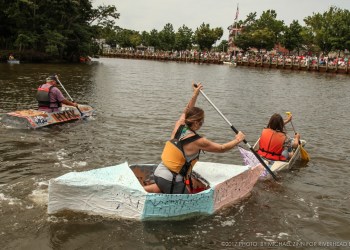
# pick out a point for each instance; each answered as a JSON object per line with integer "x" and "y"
{"x": 165, "y": 186}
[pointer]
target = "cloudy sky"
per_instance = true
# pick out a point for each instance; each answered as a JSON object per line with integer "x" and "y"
{"x": 145, "y": 15}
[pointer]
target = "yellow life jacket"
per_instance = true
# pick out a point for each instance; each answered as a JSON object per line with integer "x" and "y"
{"x": 173, "y": 155}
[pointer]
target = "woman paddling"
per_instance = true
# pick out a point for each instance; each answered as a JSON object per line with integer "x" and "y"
{"x": 181, "y": 152}
{"x": 274, "y": 143}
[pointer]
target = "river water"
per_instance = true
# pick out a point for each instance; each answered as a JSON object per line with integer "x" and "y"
{"x": 137, "y": 103}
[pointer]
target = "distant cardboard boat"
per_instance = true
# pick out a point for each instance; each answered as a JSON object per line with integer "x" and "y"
{"x": 31, "y": 118}
{"x": 118, "y": 192}
{"x": 276, "y": 166}
{"x": 14, "y": 61}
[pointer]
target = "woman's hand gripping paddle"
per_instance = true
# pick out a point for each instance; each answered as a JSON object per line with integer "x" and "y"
{"x": 236, "y": 131}
{"x": 303, "y": 154}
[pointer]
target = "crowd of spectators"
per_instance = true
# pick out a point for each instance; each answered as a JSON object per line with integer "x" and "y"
{"x": 273, "y": 58}
{"x": 302, "y": 60}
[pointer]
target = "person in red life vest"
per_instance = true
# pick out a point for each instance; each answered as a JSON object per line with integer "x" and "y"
{"x": 274, "y": 143}
{"x": 50, "y": 98}
{"x": 181, "y": 152}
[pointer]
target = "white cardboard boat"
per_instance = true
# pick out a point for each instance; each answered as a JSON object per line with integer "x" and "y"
{"x": 276, "y": 166}
{"x": 31, "y": 118}
{"x": 118, "y": 192}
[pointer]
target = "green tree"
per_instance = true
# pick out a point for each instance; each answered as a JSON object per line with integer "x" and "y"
{"x": 167, "y": 37}
{"x": 183, "y": 38}
{"x": 109, "y": 33}
{"x": 64, "y": 29}
{"x": 261, "y": 33}
{"x": 293, "y": 38}
{"x": 223, "y": 46}
{"x": 135, "y": 39}
{"x": 316, "y": 23}
{"x": 154, "y": 39}
{"x": 128, "y": 38}
{"x": 262, "y": 39}
{"x": 244, "y": 41}
{"x": 268, "y": 21}
{"x": 340, "y": 31}
{"x": 145, "y": 38}
{"x": 24, "y": 40}
{"x": 205, "y": 37}
{"x": 331, "y": 29}
{"x": 103, "y": 16}
{"x": 55, "y": 42}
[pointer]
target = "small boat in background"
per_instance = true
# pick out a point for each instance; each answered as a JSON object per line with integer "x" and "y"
{"x": 13, "y": 61}
{"x": 118, "y": 191}
{"x": 31, "y": 118}
{"x": 276, "y": 166}
{"x": 230, "y": 63}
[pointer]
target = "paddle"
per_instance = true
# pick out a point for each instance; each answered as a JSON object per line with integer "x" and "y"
{"x": 236, "y": 131}
{"x": 303, "y": 154}
{"x": 81, "y": 113}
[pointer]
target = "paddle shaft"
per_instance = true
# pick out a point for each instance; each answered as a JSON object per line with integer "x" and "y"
{"x": 291, "y": 123}
{"x": 236, "y": 131}
{"x": 81, "y": 113}
{"x": 304, "y": 155}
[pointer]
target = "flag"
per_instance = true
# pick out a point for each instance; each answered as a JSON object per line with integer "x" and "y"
{"x": 237, "y": 12}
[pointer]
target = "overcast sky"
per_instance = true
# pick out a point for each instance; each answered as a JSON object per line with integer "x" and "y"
{"x": 145, "y": 15}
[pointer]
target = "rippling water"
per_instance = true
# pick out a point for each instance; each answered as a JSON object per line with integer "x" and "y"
{"x": 137, "y": 103}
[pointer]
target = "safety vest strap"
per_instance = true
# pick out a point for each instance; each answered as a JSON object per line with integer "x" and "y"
{"x": 189, "y": 140}
{"x": 178, "y": 132}
{"x": 44, "y": 89}
{"x": 271, "y": 153}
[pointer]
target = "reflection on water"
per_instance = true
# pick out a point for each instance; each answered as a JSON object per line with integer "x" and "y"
{"x": 137, "y": 103}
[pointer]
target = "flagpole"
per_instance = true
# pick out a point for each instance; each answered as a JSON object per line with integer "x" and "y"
{"x": 236, "y": 18}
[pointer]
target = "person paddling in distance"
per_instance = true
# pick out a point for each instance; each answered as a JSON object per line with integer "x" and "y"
{"x": 274, "y": 143}
{"x": 50, "y": 98}
{"x": 181, "y": 152}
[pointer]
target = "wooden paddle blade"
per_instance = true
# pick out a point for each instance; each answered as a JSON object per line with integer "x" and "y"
{"x": 303, "y": 154}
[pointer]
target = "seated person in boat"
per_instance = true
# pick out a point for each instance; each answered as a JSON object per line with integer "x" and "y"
{"x": 50, "y": 98}
{"x": 181, "y": 152}
{"x": 11, "y": 57}
{"x": 274, "y": 143}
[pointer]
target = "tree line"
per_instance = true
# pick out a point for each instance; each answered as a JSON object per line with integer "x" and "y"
{"x": 67, "y": 29}
{"x": 204, "y": 37}
{"x": 53, "y": 29}
{"x": 322, "y": 33}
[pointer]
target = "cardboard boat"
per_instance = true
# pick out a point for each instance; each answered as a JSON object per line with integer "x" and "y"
{"x": 117, "y": 191}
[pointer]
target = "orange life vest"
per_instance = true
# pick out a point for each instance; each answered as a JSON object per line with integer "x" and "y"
{"x": 271, "y": 144}
{"x": 43, "y": 98}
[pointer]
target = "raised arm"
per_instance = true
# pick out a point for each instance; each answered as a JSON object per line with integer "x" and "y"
{"x": 190, "y": 104}
{"x": 288, "y": 119}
